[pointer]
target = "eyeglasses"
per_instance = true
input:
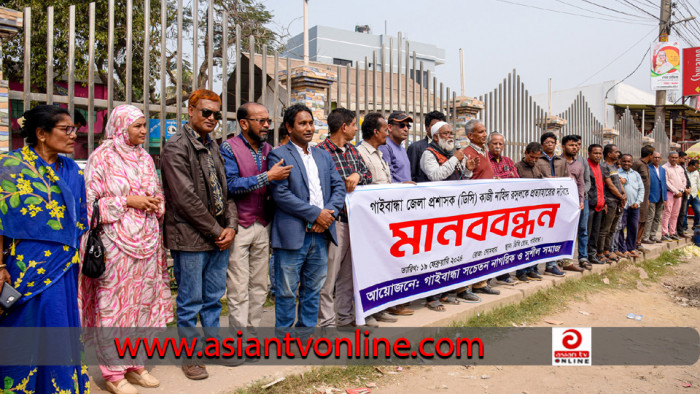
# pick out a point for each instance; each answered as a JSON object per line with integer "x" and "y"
{"x": 207, "y": 113}
{"x": 447, "y": 134}
{"x": 402, "y": 125}
{"x": 68, "y": 129}
{"x": 261, "y": 120}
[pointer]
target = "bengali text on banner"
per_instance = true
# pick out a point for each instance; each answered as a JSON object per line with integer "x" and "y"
{"x": 412, "y": 241}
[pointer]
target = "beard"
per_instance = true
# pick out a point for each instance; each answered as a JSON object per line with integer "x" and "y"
{"x": 259, "y": 138}
{"x": 447, "y": 145}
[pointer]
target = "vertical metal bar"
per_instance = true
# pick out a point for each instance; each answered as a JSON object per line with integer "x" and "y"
{"x": 383, "y": 80}
{"x": 91, "y": 78}
{"x": 147, "y": 63}
{"x": 391, "y": 74}
{"x": 357, "y": 97}
{"x": 365, "y": 107}
{"x": 447, "y": 107}
{"x": 338, "y": 86}
{"x": 289, "y": 82}
{"x": 195, "y": 44}
{"x": 435, "y": 87}
{"x": 49, "y": 56}
{"x": 413, "y": 87}
{"x": 71, "y": 59}
{"x": 347, "y": 86}
{"x": 263, "y": 80}
{"x": 442, "y": 88}
{"x": 178, "y": 82}
{"x": 422, "y": 93}
{"x": 210, "y": 45}
{"x": 110, "y": 59}
{"x": 238, "y": 66}
{"x": 27, "y": 56}
{"x": 163, "y": 24}
{"x": 275, "y": 97}
{"x": 398, "y": 71}
{"x": 427, "y": 93}
{"x": 251, "y": 68}
{"x": 224, "y": 73}
{"x": 406, "y": 79}
{"x": 454, "y": 108}
{"x": 129, "y": 44}
{"x": 374, "y": 81}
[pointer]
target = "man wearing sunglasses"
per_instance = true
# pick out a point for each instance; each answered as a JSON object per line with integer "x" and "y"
{"x": 248, "y": 177}
{"x": 200, "y": 221}
{"x": 395, "y": 154}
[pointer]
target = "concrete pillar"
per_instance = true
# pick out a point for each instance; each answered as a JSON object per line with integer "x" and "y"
{"x": 310, "y": 87}
{"x": 466, "y": 109}
{"x": 554, "y": 124}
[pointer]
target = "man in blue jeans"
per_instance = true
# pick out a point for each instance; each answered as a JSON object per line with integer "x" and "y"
{"x": 200, "y": 220}
{"x": 308, "y": 203}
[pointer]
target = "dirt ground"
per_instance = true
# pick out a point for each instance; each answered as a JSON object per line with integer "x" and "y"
{"x": 672, "y": 301}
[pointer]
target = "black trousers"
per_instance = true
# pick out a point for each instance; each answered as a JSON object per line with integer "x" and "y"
{"x": 595, "y": 219}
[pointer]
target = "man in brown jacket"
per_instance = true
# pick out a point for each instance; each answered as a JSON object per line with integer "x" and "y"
{"x": 551, "y": 165}
{"x": 200, "y": 220}
{"x": 642, "y": 167}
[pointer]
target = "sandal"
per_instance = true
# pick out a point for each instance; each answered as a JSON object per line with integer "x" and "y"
{"x": 586, "y": 265}
{"x": 436, "y": 306}
{"x": 611, "y": 257}
{"x": 450, "y": 299}
{"x": 603, "y": 259}
{"x": 400, "y": 310}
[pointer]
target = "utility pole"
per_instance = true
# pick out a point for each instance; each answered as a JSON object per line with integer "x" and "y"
{"x": 664, "y": 31}
{"x": 306, "y": 32}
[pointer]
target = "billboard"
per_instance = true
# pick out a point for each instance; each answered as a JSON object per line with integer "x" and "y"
{"x": 691, "y": 71}
{"x": 665, "y": 66}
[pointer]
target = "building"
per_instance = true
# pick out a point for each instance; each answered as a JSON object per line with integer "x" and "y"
{"x": 331, "y": 45}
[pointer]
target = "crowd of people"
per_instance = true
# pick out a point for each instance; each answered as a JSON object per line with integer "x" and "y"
{"x": 245, "y": 219}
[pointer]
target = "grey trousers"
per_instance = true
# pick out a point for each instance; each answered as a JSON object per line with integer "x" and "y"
{"x": 339, "y": 277}
{"x": 247, "y": 277}
{"x": 656, "y": 211}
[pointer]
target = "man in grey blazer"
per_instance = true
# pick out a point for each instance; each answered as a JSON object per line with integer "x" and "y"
{"x": 308, "y": 203}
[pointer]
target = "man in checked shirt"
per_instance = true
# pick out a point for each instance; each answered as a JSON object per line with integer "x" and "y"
{"x": 342, "y": 129}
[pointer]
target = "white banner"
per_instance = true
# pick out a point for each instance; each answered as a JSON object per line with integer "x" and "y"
{"x": 412, "y": 241}
{"x": 665, "y": 66}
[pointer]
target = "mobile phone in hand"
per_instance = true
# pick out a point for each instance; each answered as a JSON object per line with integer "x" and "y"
{"x": 8, "y": 296}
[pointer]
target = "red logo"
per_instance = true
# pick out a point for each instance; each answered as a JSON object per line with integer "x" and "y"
{"x": 573, "y": 340}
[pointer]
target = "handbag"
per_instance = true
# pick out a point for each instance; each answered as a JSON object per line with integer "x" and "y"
{"x": 94, "y": 259}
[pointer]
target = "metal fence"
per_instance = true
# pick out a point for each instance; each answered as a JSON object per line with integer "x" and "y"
{"x": 392, "y": 79}
{"x": 629, "y": 139}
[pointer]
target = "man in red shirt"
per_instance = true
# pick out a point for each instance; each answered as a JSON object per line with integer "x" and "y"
{"x": 503, "y": 168}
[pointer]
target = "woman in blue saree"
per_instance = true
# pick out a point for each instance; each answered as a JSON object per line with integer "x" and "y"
{"x": 42, "y": 215}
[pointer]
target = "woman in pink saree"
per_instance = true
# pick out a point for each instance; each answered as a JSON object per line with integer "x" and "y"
{"x": 134, "y": 290}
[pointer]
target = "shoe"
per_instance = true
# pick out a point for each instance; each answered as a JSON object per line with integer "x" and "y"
{"x": 534, "y": 275}
{"x": 506, "y": 281}
{"x": 468, "y": 296}
{"x": 486, "y": 290}
{"x": 353, "y": 326}
{"x": 642, "y": 249}
{"x": 225, "y": 361}
{"x": 123, "y": 387}
{"x": 400, "y": 310}
{"x": 523, "y": 278}
{"x": 554, "y": 271}
{"x": 195, "y": 371}
{"x": 665, "y": 238}
{"x": 573, "y": 267}
{"x": 675, "y": 237}
{"x": 371, "y": 322}
{"x": 385, "y": 317}
{"x": 649, "y": 241}
{"x": 144, "y": 379}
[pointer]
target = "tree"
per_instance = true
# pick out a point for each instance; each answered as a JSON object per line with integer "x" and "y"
{"x": 251, "y": 14}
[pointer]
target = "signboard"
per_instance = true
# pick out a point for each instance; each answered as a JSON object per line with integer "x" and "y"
{"x": 170, "y": 128}
{"x": 665, "y": 66}
{"x": 413, "y": 241}
{"x": 691, "y": 71}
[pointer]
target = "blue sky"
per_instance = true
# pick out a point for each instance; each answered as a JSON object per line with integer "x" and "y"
{"x": 498, "y": 36}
